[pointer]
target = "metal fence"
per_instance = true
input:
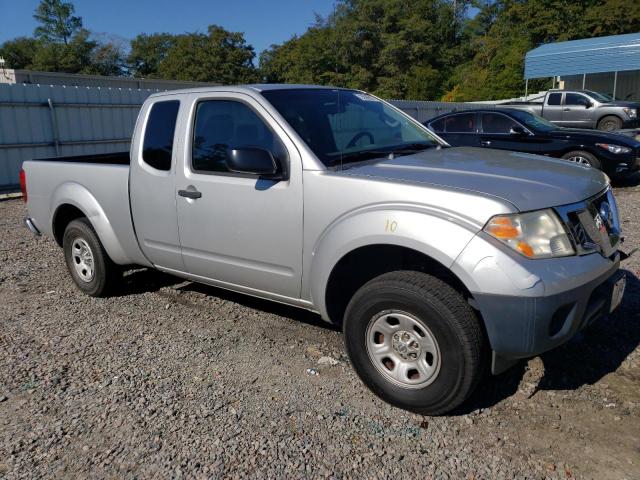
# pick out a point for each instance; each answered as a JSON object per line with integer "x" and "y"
{"x": 39, "y": 121}
{"x": 423, "y": 111}
{"x": 44, "y": 121}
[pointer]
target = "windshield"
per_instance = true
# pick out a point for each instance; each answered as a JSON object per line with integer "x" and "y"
{"x": 601, "y": 97}
{"x": 342, "y": 126}
{"x": 534, "y": 122}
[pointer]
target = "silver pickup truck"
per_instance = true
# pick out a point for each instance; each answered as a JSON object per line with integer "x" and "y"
{"x": 436, "y": 261}
{"x": 582, "y": 109}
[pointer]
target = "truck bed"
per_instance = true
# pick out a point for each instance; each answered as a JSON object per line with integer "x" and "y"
{"x": 98, "y": 185}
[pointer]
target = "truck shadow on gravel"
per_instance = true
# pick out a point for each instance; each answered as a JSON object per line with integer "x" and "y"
{"x": 144, "y": 280}
{"x": 591, "y": 355}
{"x": 266, "y": 306}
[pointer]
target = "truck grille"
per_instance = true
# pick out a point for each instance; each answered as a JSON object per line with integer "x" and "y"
{"x": 593, "y": 224}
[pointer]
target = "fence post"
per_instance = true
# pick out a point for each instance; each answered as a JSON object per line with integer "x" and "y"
{"x": 54, "y": 127}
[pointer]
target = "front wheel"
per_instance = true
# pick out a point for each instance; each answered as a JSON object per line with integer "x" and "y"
{"x": 92, "y": 270}
{"x": 609, "y": 123}
{"x": 415, "y": 342}
{"x": 582, "y": 158}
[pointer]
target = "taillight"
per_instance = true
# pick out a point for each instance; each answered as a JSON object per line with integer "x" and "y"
{"x": 23, "y": 185}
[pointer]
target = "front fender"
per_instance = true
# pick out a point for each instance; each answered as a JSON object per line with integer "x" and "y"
{"x": 72, "y": 193}
{"x": 439, "y": 234}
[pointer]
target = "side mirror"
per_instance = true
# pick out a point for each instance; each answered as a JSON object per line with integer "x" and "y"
{"x": 253, "y": 160}
{"x": 588, "y": 105}
{"x": 517, "y": 130}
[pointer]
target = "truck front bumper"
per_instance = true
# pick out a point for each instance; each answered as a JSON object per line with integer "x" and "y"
{"x": 522, "y": 327}
{"x": 531, "y": 306}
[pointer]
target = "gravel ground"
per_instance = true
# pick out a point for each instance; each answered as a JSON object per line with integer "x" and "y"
{"x": 174, "y": 379}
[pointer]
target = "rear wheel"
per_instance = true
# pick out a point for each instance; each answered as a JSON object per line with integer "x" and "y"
{"x": 583, "y": 158}
{"x": 609, "y": 123}
{"x": 415, "y": 342}
{"x": 89, "y": 265}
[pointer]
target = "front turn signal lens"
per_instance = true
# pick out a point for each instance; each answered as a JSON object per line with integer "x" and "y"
{"x": 538, "y": 234}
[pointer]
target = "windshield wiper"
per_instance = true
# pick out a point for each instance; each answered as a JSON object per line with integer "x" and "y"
{"x": 389, "y": 152}
{"x": 411, "y": 148}
{"x": 361, "y": 155}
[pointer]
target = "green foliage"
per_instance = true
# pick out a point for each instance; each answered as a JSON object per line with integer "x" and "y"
{"x": 431, "y": 49}
{"x": 505, "y": 30}
{"x": 19, "y": 52}
{"x": 219, "y": 56}
{"x": 393, "y": 48}
{"x": 62, "y": 45}
{"x": 147, "y": 52}
{"x": 57, "y": 23}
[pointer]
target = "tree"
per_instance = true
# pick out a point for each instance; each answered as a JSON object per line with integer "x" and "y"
{"x": 495, "y": 68}
{"x": 57, "y": 23}
{"x": 107, "y": 59}
{"x": 73, "y": 57}
{"x": 147, "y": 52}
{"x": 219, "y": 56}
{"x": 19, "y": 52}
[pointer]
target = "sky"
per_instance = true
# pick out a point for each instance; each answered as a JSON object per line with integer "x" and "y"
{"x": 263, "y": 22}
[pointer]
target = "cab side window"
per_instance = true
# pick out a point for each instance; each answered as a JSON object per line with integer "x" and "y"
{"x": 497, "y": 123}
{"x": 157, "y": 148}
{"x": 576, "y": 99}
{"x": 554, "y": 99}
{"x": 223, "y": 125}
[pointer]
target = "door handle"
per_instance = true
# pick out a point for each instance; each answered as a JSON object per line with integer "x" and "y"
{"x": 566, "y": 109}
{"x": 485, "y": 143}
{"x": 193, "y": 194}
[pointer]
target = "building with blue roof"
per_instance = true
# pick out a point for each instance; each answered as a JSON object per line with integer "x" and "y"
{"x": 605, "y": 64}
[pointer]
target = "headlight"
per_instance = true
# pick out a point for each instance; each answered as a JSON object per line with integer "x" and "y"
{"x": 534, "y": 235}
{"x": 632, "y": 112}
{"x": 613, "y": 148}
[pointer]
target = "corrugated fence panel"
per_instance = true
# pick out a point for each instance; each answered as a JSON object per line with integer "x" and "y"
{"x": 54, "y": 120}
{"x": 423, "y": 111}
{"x": 39, "y": 121}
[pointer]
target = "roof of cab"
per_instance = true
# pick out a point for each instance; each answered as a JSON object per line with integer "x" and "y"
{"x": 257, "y": 87}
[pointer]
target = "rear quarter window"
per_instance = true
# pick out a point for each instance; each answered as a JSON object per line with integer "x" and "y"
{"x": 157, "y": 148}
{"x": 554, "y": 99}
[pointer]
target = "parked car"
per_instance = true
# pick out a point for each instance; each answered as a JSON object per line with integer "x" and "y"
{"x": 509, "y": 129}
{"x": 436, "y": 261}
{"x": 583, "y": 109}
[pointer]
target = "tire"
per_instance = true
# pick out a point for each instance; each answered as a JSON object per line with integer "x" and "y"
{"x": 91, "y": 269}
{"x": 583, "y": 158}
{"x": 445, "y": 320}
{"x": 609, "y": 123}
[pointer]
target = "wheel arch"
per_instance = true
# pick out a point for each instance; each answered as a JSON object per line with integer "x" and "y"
{"x": 377, "y": 239}
{"x": 602, "y": 117}
{"x": 362, "y": 264}
{"x": 71, "y": 201}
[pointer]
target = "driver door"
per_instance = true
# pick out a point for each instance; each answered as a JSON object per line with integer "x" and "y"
{"x": 576, "y": 110}
{"x": 238, "y": 229}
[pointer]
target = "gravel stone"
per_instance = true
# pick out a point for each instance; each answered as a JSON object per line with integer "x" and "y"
{"x": 172, "y": 379}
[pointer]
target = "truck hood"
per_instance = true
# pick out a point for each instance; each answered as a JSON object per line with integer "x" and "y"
{"x": 529, "y": 182}
{"x": 621, "y": 103}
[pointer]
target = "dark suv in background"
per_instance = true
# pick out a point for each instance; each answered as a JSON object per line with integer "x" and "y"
{"x": 509, "y": 129}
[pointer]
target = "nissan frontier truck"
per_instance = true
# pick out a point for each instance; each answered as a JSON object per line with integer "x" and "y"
{"x": 438, "y": 263}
